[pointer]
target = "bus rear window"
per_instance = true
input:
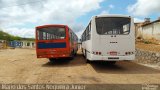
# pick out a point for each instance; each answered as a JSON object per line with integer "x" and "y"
{"x": 112, "y": 25}
{"x": 51, "y": 33}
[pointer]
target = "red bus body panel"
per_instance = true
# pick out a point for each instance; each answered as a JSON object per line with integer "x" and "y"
{"x": 55, "y": 52}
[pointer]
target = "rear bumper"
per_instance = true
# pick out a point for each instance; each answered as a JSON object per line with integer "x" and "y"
{"x": 111, "y": 58}
{"x": 54, "y": 56}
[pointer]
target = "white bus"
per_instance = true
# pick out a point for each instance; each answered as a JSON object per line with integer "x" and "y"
{"x": 109, "y": 38}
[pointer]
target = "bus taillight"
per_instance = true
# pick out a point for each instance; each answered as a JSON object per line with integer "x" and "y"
{"x": 129, "y": 53}
{"x": 97, "y": 53}
{"x": 93, "y": 52}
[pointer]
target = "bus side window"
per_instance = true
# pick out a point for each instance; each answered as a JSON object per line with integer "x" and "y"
{"x": 38, "y": 35}
{"x": 70, "y": 36}
{"x": 44, "y": 35}
{"x": 47, "y": 36}
{"x": 89, "y": 31}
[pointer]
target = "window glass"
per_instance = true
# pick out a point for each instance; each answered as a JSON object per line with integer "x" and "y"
{"x": 50, "y": 33}
{"x": 112, "y": 25}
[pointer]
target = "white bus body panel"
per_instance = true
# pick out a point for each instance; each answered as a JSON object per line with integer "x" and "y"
{"x": 102, "y": 43}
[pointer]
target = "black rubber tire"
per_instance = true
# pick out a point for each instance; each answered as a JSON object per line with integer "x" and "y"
{"x": 87, "y": 61}
{"x": 72, "y": 55}
{"x": 75, "y": 54}
{"x": 51, "y": 60}
{"x": 112, "y": 62}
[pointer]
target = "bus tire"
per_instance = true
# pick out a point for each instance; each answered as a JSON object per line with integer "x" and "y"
{"x": 87, "y": 61}
{"x": 83, "y": 53}
{"x": 75, "y": 54}
{"x": 51, "y": 60}
{"x": 72, "y": 55}
{"x": 112, "y": 62}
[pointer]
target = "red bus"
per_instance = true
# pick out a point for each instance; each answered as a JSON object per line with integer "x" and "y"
{"x": 55, "y": 41}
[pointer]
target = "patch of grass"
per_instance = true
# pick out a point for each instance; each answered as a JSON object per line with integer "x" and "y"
{"x": 147, "y": 42}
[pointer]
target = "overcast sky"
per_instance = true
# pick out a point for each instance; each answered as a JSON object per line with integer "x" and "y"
{"x": 20, "y": 17}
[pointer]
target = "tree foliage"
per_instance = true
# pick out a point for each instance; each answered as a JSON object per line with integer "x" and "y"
{"x": 8, "y": 37}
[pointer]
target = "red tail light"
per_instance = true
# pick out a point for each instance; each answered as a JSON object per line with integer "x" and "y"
{"x": 129, "y": 53}
{"x": 97, "y": 53}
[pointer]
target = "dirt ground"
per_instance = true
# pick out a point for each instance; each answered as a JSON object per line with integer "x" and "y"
{"x": 22, "y": 66}
{"x": 148, "y": 47}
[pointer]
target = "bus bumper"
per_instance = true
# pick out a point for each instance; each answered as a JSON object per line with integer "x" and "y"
{"x": 53, "y": 56}
{"x": 111, "y": 58}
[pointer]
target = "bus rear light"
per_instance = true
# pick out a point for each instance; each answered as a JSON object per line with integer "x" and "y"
{"x": 97, "y": 53}
{"x": 129, "y": 53}
{"x": 93, "y": 52}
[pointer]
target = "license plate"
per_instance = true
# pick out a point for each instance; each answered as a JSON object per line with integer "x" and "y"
{"x": 113, "y": 53}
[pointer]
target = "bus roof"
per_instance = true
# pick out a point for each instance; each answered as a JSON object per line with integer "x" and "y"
{"x": 112, "y": 15}
{"x": 50, "y": 25}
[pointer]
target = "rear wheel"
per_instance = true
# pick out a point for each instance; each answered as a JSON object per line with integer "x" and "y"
{"x": 112, "y": 62}
{"x": 51, "y": 60}
{"x": 87, "y": 61}
{"x": 83, "y": 53}
{"x": 75, "y": 53}
{"x": 72, "y": 55}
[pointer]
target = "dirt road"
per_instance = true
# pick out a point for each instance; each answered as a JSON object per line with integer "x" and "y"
{"x": 22, "y": 66}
